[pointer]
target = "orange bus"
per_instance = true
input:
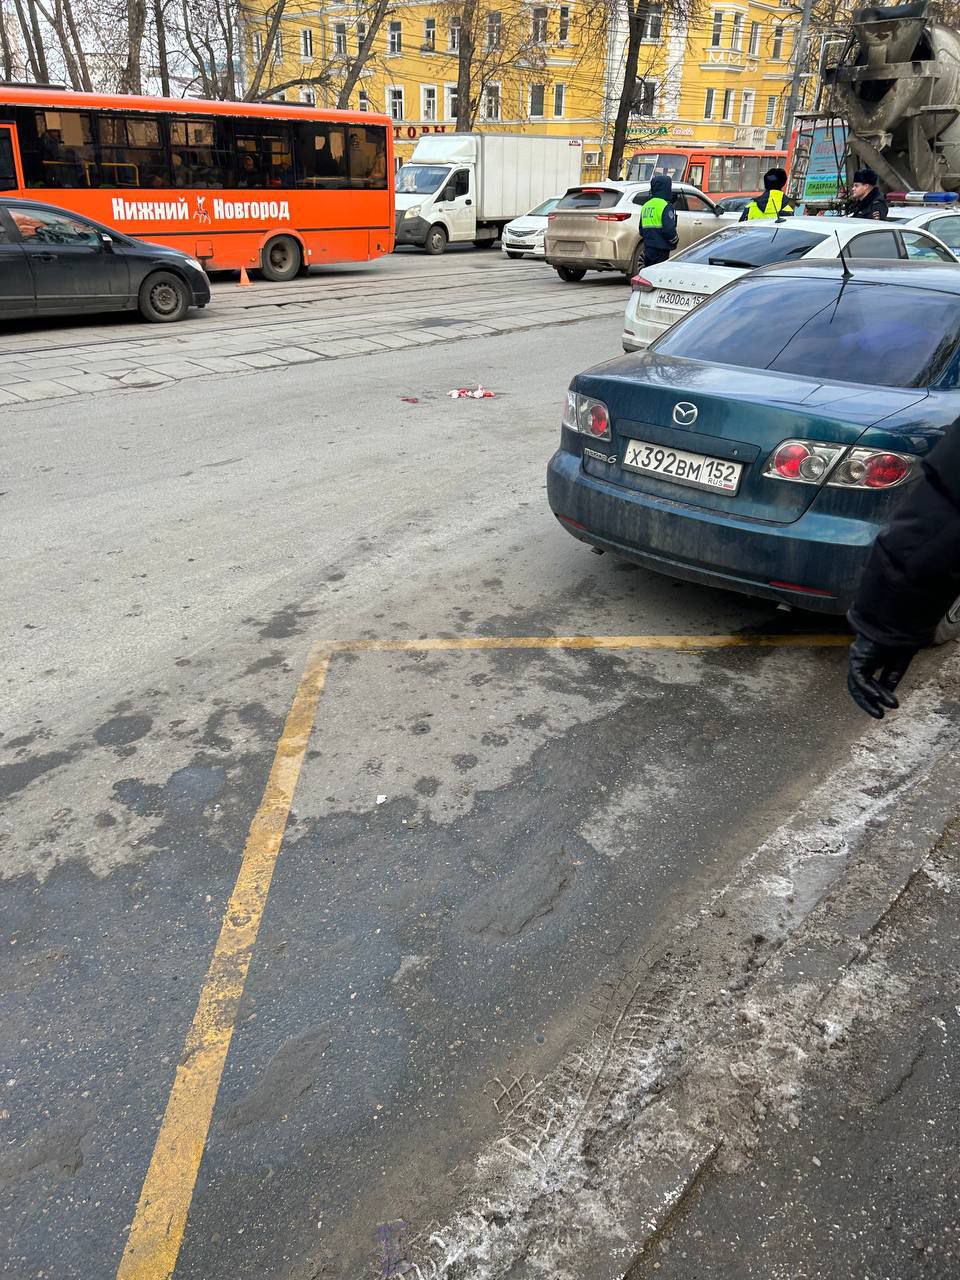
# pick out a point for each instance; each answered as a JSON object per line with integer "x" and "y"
{"x": 236, "y": 184}
{"x": 719, "y": 172}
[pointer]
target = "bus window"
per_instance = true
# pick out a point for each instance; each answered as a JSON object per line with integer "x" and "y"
{"x": 321, "y": 156}
{"x": 277, "y": 152}
{"x": 716, "y": 173}
{"x": 8, "y": 170}
{"x": 132, "y": 153}
{"x": 368, "y": 156}
{"x": 696, "y": 176}
{"x": 57, "y": 148}
{"x": 201, "y": 153}
{"x": 752, "y": 174}
{"x": 732, "y": 173}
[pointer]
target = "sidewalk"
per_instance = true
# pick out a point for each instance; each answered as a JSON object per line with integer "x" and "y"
{"x": 866, "y": 1186}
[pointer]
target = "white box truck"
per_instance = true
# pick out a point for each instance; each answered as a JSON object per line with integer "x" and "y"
{"x": 461, "y": 187}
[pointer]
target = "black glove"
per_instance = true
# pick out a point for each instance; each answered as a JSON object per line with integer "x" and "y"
{"x": 874, "y": 672}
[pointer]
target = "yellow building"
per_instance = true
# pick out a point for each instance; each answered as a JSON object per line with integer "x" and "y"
{"x": 543, "y": 69}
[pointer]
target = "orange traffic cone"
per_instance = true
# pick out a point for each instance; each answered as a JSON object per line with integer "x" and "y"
{"x": 244, "y": 278}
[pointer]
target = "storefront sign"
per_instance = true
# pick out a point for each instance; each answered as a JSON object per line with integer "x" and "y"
{"x": 412, "y": 131}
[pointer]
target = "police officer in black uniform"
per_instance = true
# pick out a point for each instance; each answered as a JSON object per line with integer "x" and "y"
{"x": 658, "y": 221}
{"x": 911, "y": 581}
{"x": 867, "y": 198}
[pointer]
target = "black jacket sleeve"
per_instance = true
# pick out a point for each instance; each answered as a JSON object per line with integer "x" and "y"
{"x": 913, "y": 574}
{"x": 669, "y": 225}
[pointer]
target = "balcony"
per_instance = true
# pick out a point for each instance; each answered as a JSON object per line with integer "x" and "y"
{"x": 729, "y": 58}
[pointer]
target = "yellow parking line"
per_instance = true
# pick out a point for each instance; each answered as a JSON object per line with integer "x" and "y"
{"x": 156, "y": 1233}
{"x": 594, "y": 642}
{"x": 161, "y": 1217}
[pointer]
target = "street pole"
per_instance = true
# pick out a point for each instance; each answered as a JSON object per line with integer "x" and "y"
{"x": 800, "y": 57}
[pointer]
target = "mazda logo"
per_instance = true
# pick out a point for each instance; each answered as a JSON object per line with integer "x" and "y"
{"x": 684, "y": 414}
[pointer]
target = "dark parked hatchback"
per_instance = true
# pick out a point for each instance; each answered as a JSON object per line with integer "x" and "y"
{"x": 56, "y": 263}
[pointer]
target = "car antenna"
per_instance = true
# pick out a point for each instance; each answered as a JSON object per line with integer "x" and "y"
{"x": 847, "y": 273}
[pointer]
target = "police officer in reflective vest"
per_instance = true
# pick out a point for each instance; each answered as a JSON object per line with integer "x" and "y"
{"x": 773, "y": 203}
{"x": 658, "y": 221}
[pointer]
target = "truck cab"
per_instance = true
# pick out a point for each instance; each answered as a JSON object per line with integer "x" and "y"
{"x": 436, "y": 204}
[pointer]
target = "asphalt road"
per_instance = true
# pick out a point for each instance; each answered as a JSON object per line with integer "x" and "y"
{"x": 477, "y": 837}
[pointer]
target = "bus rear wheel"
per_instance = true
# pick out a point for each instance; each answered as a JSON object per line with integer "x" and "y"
{"x": 281, "y": 258}
{"x": 164, "y": 298}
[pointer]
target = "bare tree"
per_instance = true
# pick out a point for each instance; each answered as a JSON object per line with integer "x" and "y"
{"x": 681, "y": 15}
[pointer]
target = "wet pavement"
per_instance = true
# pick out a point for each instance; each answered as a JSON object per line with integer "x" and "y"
{"x": 477, "y": 839}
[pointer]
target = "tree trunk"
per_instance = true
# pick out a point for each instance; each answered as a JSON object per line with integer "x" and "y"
{"x": 160, "y": 24}
{"x": 363, "y": 54}
{"x": 5, "y": 48}
{"x": 465, "y": 109}
{"x": 81, "y": 58}
{"x": 131, "y": 80}
{"x": 34, "y": 56}
{"x": 253, "y": 93}
{"x": 627, "y": 89}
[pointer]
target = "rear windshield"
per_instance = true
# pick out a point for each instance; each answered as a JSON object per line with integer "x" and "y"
{"x": 753, "y": 247}
{"x": 879, "y": 334}
{"x": 590, "y": 198}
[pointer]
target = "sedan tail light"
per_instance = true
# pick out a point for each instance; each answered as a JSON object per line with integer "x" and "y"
{"x": 872, "y": 469}
{"x": 586, "y": 415}
{"x": 640, "y": 285}
{"x": 811, "y": 462}
{"x": 802, "y": 461}
{"x": 612, "y": 217}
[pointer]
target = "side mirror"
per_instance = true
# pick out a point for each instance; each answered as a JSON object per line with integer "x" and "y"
{"x": 105, "y": 240}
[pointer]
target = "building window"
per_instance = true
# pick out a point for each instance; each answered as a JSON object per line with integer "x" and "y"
{"x": 278, "y": 46}
{"x": 729, "y": 97}
{"x": 652, "y": 22}
{"x": 428, "y": 102}
{"x": 363, "y": 102}
{"x": 308, "y": 97}
{"x": 257, "y": 45}
{"x": 736, "y": 34}
{"x": 746, "y": 107}
{"x": 361, "y": 35}
{"x": 754, "y": 46}
{"x": 340, "y": 38}
{"x": 306, "y": 44}
{"x": 452, "y": 101}
{"x": 491, "y": 102}
{"x": 644, "y": 98}
{"x": 716, "y": 34}
{"x": 395, "y": 103}
{"x": 536, "y": 101}
{"x": 771, "y": 118}
{"x": 395, "y": 38}
{"x": 493, "y": 30}
{"x": 708, "y": 104}
{"x": 563, "y": 28}
{"x": 430, "y": 33}
{"x": 539, "y": 27}
{"x": 453, "y": 34}
{"x": 777, "y": 42}
{"x": 558, "y": 95}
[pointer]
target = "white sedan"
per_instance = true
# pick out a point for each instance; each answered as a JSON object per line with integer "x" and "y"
{"x": 523, "y": 237}
{"x": 942, "y": 220}
{"x": 664, "y": 293}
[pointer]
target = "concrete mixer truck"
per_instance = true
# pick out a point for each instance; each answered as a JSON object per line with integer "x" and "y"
{"x": 891, "y": 103}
